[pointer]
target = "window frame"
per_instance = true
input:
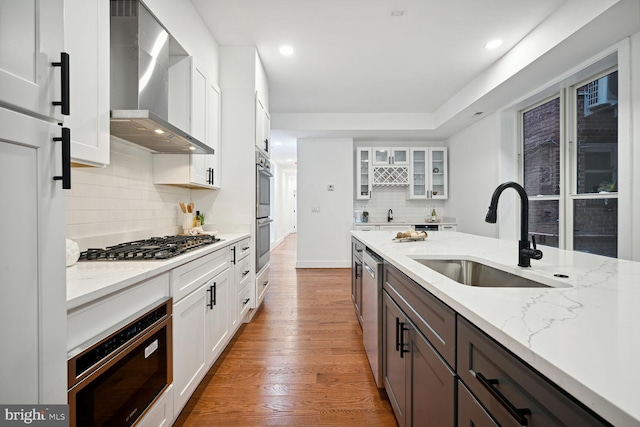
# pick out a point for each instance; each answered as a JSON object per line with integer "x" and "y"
{"x": 568, "y": 134}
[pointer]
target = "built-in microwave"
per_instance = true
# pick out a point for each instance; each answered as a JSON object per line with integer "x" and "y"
{"x": 117, "y": 377}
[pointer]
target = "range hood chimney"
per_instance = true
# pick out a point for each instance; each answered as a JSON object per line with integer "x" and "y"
{"x": 140, "y": 82}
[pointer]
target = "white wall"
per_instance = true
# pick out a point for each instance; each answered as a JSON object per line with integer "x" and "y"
{"x": 323, "y": 237}
{"x": 473, "y": 175}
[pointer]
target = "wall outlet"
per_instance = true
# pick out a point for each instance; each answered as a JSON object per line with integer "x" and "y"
{"x": 330, "y": 187}
{"x": 315, "y": 209}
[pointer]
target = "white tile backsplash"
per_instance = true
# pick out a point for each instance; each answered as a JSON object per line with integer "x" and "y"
{"x": 120, "y": 202}
{"x": 395, "y": 198}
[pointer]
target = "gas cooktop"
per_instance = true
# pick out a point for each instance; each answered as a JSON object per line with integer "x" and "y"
{"x": 154, "y": 248}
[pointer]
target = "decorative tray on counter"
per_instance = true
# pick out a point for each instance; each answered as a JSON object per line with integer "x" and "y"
{"x": 410, "y": 236}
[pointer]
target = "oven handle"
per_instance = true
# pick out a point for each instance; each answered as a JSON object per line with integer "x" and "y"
{"x": 263, "y": 221}
{"x": 263, "y": 170}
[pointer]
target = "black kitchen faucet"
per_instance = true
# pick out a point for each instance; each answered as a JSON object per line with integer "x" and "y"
{"x": 525, "y": 253}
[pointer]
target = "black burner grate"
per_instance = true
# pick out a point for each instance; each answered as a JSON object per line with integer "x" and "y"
{"x": 154, "y": 248}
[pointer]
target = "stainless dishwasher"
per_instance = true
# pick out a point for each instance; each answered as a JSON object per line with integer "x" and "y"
{"x": 371, "y": 312}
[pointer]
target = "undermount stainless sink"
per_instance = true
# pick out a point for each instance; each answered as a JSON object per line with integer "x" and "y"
{"x": 473, "y": 273}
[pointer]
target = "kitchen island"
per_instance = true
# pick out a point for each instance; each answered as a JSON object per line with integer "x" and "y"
{"x": 579, "y": 333}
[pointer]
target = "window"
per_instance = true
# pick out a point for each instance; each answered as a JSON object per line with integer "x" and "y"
{"x": 570, "y": 165}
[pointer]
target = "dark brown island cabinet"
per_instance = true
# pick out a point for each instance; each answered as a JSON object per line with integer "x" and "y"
{"x": 441, "y": 370}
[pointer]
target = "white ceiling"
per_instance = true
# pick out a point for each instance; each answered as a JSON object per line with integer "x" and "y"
{"x": 353, "y": 56}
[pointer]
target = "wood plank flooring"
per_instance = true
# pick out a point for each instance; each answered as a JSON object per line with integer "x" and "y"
{"x": 300, "y": 362}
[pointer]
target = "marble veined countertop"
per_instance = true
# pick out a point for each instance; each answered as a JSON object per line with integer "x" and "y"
{"x": 582, "y": 334}
{"x": 90, "y": 280}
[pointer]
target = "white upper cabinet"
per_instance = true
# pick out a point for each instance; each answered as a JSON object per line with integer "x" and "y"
{"x": 214, "y": 131}
{"x": 263, "y": 127}
{"x": 87, "y": 42}
{"x": 31, "y": 40}
{"x": 364, "y": 177}
{"x": 428, "y": 173}
{"x": 198, "y": 105}
{"x": 390, "y": 156}
{"x": 193, "y": 170}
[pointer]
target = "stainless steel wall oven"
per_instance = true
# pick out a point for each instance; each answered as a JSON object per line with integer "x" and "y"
{"x": 263, "y": 186}
{"x": 116, "y": 378}
{"x": 263, "y": 210}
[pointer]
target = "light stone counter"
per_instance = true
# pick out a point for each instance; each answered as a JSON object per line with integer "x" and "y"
{"x": 91, "y": 280}
{"x": 582, "y": 334}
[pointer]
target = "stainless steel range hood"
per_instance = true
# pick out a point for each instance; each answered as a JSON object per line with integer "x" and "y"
{"x": 140, "y": 60}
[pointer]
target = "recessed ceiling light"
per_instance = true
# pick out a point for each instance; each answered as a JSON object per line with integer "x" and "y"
{"x": 286, "y": 50}
{"x": 493, "y": 44}
{"x": 159, "y": 131}
{"x": 192, "y": 148}
{"x": 289, "y": 160}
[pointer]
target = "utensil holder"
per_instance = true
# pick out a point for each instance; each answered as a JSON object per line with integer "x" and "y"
{"x": 187, "y": 222}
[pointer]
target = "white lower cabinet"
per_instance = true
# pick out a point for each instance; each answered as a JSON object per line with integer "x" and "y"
{"x": 217, "y": 315}
{"x": 189, "y": 355}
{"x": 200, "y": 333}
{"x": 205, "y": 316}
{"x": 262, "y": 284}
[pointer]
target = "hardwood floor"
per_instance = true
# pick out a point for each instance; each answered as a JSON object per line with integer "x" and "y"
{"x": 300, "y": 362}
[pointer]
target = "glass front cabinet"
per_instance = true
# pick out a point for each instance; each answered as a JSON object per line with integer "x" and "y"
{"x": 428, "y": 173}
{"x": 390, "y": 156}
{"x": 364, "y": 174}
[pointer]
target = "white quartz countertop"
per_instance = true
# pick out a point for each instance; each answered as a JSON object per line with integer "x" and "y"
{"x": 90, "y": 280}
{"x": 582, "y": 335}
{"x": 406, "y": 223}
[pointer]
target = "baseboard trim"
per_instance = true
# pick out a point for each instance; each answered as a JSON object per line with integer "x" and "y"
{"x": 323, "y": 264}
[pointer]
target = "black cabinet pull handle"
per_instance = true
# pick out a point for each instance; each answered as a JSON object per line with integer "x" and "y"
{"x": 397, "y": 334}
{"x": 517, "y": 413}
{"x": 402, "y": 344}
{"x": 266, "y": 145}
{"x": 245, "y": 248}
{"x": 210, "y": 303}
{"x": 245, "y": 301}
{"x": 355, "y": 271}
{"x": 66, "y": 159}
{"x": 64, "y": 82}
{"x": 265, "y": 283}
{"x": 244, "y": 273}
{"x": 214, "y": 293}
{"x": 233, "y": 261}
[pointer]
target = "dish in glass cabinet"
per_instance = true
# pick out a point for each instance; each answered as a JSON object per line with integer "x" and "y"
{"x": 436, "y": 170}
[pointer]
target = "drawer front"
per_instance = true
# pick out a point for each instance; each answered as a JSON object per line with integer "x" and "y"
{"x": 243, "y": 272}
{"x": 435, "y": 320}
{"x": 244, "y": 301}
{"x": 510, "y": 389}
{"x": 243, "y": 249}
{"x": 190, "y": 276}
{"x": 262, "y": 284}
{"x": 470, "y": 412}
